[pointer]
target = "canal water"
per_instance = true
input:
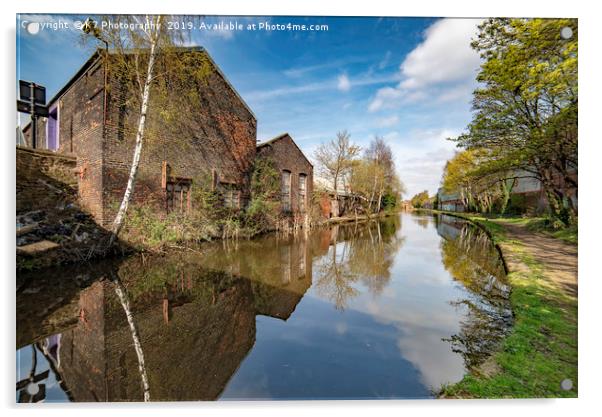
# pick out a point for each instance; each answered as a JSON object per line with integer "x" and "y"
{"x": 381, "y": 309}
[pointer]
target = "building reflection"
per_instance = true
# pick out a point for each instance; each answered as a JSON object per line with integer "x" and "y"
{"x": 194, "y": 315}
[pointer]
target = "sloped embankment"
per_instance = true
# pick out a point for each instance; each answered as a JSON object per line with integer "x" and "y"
{"x": 51, "y": 227}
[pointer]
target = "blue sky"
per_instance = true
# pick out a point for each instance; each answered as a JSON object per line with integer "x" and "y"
{"x": 406, "y": 79}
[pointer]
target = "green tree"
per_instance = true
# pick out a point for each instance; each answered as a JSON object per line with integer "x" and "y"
{"x": 420, "y": 200}
{"x": 479, "y": 182}
{"x": 366, "y": 175}
{"x": 525, "y": 109}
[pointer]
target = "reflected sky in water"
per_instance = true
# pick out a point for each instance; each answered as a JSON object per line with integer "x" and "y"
{"x": 374, "y": 310}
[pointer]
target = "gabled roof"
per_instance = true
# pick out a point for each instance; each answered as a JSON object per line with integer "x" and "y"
{"x": 282, "y": 136}
{"x": 97, "y": 53}
{"x": 76, "y": 76}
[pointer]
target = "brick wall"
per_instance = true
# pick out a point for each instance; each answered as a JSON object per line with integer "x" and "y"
{"x": 44, "y": 180}
{"x": 216, "y": 134}
{"x": 288, "y": 157}
{"x": 40, "y": 133}
{"x": 81, "y": 133}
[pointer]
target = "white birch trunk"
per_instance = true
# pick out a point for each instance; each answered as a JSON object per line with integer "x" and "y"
{"x": 127, "y": 195}
{"x": 119, "y": 290}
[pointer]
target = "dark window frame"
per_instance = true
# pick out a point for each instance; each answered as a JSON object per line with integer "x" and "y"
{"x": 178, "y": 195}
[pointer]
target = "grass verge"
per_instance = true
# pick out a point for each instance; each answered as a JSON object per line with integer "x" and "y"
{"x": 544, "y": 225}
{"x": 541, "y": 351}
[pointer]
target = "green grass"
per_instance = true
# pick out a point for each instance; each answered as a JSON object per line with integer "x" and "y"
{"x": 541, "y": 350}
{"x": 546, "y": 226}
{"x": 568, "y": 235}
{"x": 543, "y": 225}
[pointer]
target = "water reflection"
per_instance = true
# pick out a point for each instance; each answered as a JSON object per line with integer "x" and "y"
{"x": 375, "y": 310}
{"x": 357, "y": 254}
{"x": 472, "y": 260}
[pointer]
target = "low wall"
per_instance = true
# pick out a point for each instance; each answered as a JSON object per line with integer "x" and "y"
{"x": 51, "y": 227}
{"x": 44, "y": 180}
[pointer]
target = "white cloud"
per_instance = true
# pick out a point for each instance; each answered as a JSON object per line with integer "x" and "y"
{"x": 286, "y": 91}
{"x": 387, "y": 121}
{"x": 343, "y": 83}
{"x": 441, "y": 68}
{"x": 460, "y": 93}
{"x": 444, "y": 56}
{"x": 420, "y": 156}
{"x": 300, "y": 71}
{"x": 383, "y": 96}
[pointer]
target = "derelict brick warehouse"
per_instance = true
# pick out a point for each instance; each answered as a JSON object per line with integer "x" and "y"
{"x": 296, "y": 173}
{"x": 204, "y": 139}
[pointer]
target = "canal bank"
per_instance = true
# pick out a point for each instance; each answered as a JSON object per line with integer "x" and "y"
{"x": 65, "y": 234}
{"x": 539, "y": 357}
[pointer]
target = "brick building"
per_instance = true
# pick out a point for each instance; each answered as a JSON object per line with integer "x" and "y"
{"x": 211, "y": 144}
{"x": 296, "y": 173}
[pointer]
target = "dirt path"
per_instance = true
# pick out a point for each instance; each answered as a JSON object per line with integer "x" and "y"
{"x": 558, "y": 258}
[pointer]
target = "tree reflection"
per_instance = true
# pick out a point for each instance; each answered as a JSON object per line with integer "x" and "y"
{"x": 358, "y": 254}
{"x": 422, "y": 221}
{"x": 373, "y": 257}
{"x": 472, "y": 260}
{"x": 125, "y": 304}
{"x": 335, "y": 278}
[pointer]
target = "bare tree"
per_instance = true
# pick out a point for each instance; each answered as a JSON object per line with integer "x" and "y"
{"x": 334, "y": 159}
{"x": 381, "y": 155}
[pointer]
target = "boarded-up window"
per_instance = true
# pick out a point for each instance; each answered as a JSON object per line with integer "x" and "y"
{"x": 302, "y": 191}
{"x": 286, "y": 190}
{"x": 231, "y": 197}
{"x": 178, "y": 195}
